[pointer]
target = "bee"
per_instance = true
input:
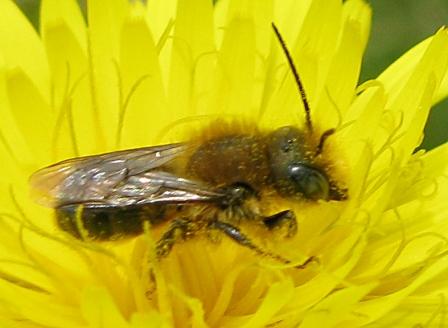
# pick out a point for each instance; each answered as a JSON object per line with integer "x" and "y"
{"x": 213, "y": 183}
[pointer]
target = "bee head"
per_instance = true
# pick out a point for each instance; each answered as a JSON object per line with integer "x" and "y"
{"x": 292, "y": 168}
{"x": 292, "y": 160}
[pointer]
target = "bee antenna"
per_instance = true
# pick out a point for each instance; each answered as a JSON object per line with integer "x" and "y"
{"x": 296, "y": 77}
{"x": 323, "y": 138}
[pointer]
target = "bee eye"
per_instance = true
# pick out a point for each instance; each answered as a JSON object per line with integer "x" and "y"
{"x": 312, "y": 183}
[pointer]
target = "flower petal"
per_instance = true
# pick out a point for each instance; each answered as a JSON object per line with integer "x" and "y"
{"x": 99, "y": 310}
{"x": 338, "y": 88}
{"x": 373, "y": 309}
{"x": 29, "y": 112}
{"x": 149, "y": 320}
{"x": 68, "y": 12}
{"x": 236, "y": 63}
{"x": 430, "y": 69}
{"x": 193, "y": 57}
{"x": 278, "y": 295}
{"x": 143, "y": 104}
{"x": 105, "y": 24}
{"x": 337, "y": 308}
{"x": 62, "y": 28}
{"x": 161, "y": 17}
{"x": 15, "y": 149}
{"x": 20, "y": 47}
{"x": 39, "y": 308}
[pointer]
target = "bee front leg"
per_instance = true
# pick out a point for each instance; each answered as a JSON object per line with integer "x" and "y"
{"x": 180, "y": 229}
{"x": 236, "y": 235}
{"x": 283, "y": 221}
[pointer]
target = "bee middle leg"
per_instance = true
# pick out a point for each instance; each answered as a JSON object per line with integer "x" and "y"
{"x": 238, "y": 236}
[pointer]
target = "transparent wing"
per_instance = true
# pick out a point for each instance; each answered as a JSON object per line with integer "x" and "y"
{"x": 121, "y": 178}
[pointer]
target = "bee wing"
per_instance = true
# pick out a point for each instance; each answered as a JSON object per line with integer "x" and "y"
{"x": 159, "y": 187}
{"x": 118, "y": 179}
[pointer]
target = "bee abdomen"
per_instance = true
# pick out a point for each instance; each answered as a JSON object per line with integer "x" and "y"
{"x": 103, "y": 223}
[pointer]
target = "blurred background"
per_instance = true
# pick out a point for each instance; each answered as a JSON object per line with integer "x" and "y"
{"x": 397, "y": 26}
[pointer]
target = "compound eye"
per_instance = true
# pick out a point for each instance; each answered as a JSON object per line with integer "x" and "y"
{"x": 309, "y": 181}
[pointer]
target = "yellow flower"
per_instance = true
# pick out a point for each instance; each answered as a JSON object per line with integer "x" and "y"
{"x": 140, "y": 75}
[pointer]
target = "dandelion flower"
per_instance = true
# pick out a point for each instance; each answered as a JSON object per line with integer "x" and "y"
{"x": 138, "y": 75}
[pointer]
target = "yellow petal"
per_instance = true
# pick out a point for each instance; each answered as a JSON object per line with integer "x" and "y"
{"x": 161, "y": 18}
{"x": 193, "y": 56}
{"x": 30, "y": 111}
{"x": 15, "y": 149}
{"x": 338, "y": 92}
{"x": 21, "y": 48}
{"x": 237, "y": 63}
{"x": 149, "y": 320}
{"x": 371, "y": 310}
{"x": 105, "y": 24}
{"x": 279, "y": 294}
{"x": 66, "y": 46}
{"x": 430, "y": 69}
{"x": 99, "y": 311}
{"x": 24, "y": 302}
{"x": 337, "y": 308}
{"x": 143, "y": 106}
{"x": 67, "y": 13}
{"x": 359, "y": 12}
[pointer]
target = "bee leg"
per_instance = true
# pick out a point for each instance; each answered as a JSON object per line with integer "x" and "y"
{"x": 180, "y": 229}
{"x": 285, "y": 220}
{"x": 235, "y": 234}
{"x": 238, "y": 236}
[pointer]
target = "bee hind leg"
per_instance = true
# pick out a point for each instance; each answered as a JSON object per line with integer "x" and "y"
{"x": 180, "y": 229}
{"x": 238, "y": 236}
